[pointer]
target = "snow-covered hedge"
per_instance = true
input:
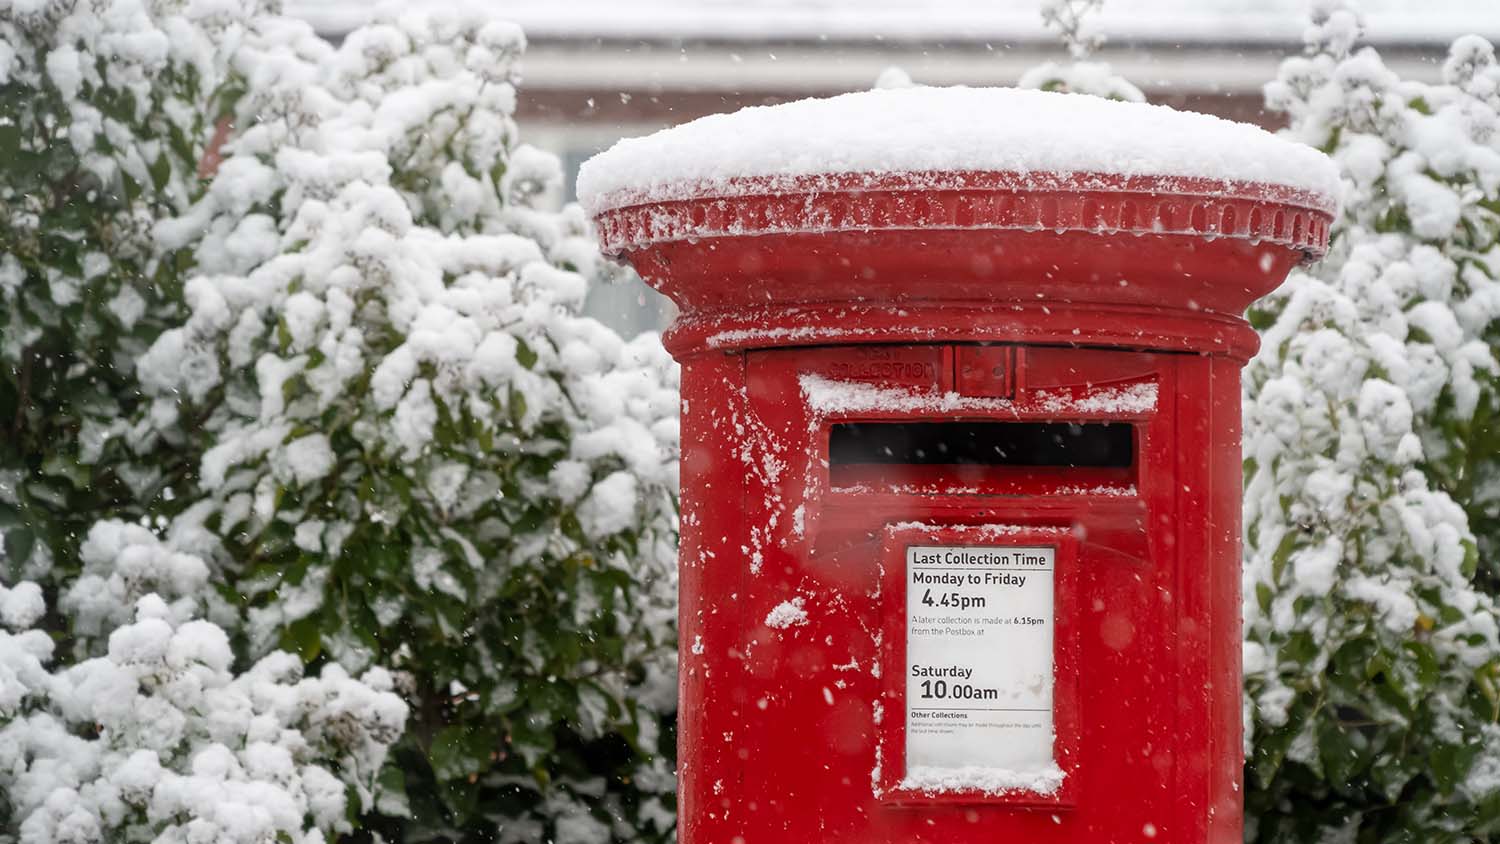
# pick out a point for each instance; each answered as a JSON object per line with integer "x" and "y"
{"x": 158, "y": 740}
{"x": 1371, "y": 445}
{"x": 293, "y": 364}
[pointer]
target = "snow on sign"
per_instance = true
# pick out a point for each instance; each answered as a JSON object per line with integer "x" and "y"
{"x": 979, "y": 659}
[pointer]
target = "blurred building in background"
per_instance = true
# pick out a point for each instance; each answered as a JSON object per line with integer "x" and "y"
{"x": 597, "y": 70}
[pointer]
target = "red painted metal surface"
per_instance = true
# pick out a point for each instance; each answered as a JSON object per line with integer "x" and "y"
{"x": 976, "y": 297}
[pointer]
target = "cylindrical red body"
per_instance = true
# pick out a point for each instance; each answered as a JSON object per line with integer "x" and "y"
{"x": 964, "y": 312}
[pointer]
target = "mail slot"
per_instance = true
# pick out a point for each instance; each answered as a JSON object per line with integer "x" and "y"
{"x": 960, "y": 482}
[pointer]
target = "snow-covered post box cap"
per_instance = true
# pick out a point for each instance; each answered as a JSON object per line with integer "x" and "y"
{"x": 925, "y": 214}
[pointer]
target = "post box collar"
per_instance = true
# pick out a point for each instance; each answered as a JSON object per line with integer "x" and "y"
{"x": 950, "y": 214}
{"x": 1090, "y": 203}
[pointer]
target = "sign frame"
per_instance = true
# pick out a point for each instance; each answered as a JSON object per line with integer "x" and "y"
{"x": 890, "y": 768}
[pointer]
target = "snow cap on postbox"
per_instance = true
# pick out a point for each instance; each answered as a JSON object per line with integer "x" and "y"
{"x": 947, "y": 195}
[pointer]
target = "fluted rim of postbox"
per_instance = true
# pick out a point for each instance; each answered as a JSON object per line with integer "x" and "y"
{"x": 1094, "y": 203}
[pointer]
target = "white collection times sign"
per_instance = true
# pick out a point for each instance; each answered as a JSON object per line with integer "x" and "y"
{"x": 979, "y": 630}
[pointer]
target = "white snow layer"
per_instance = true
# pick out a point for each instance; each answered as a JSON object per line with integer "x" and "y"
{"x": 988, "y": 780}
{"x": 787, "y": 614}
{"x": 945, "y": 130}
{"x": 826, "y": 396}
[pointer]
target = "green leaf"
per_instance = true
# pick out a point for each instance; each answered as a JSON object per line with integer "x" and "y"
{"x": 229, "y": 96}
{"x": 1271, "y": 748}
{"x": 1301, "y": 647}
{"x": 532, "y": 734}
{"x": 1282, "y": 554}
{"x": 460, "y": 752}
{"x": 303, "y": 638}
{"x": 1338, "y": 753}
{"x": 1261, "y": 318}
{"x": 517, "y": 406}
{"x": 1450, "y": 763}
{"x": 62, "y": 466}
{"x": 390, "y": 793}
{"x": 10, "y": 141}
{"x": 524, "y": 354}
{"x": 401, "y": 485}
{"x": 1428, "y": 672}
{"x": 131, "y": 187}
{"x": 161, "y": 172}
{"x": 572, "y": 528}
{"x": 18, "y": 544}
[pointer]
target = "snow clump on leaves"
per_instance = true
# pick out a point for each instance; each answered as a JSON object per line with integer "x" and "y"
{"x": 158, "y": 740}
{"x": 432, "y": 460}
{"x": 109, "y": 107}
{"x": 1372, "y": 660}
{"x": 293, "y": 360}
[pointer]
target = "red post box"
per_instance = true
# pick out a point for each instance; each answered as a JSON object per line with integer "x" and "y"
{"x": 961, "y": 457}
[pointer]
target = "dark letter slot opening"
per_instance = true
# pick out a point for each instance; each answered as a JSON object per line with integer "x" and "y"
{"x": 1021, "y": 456}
